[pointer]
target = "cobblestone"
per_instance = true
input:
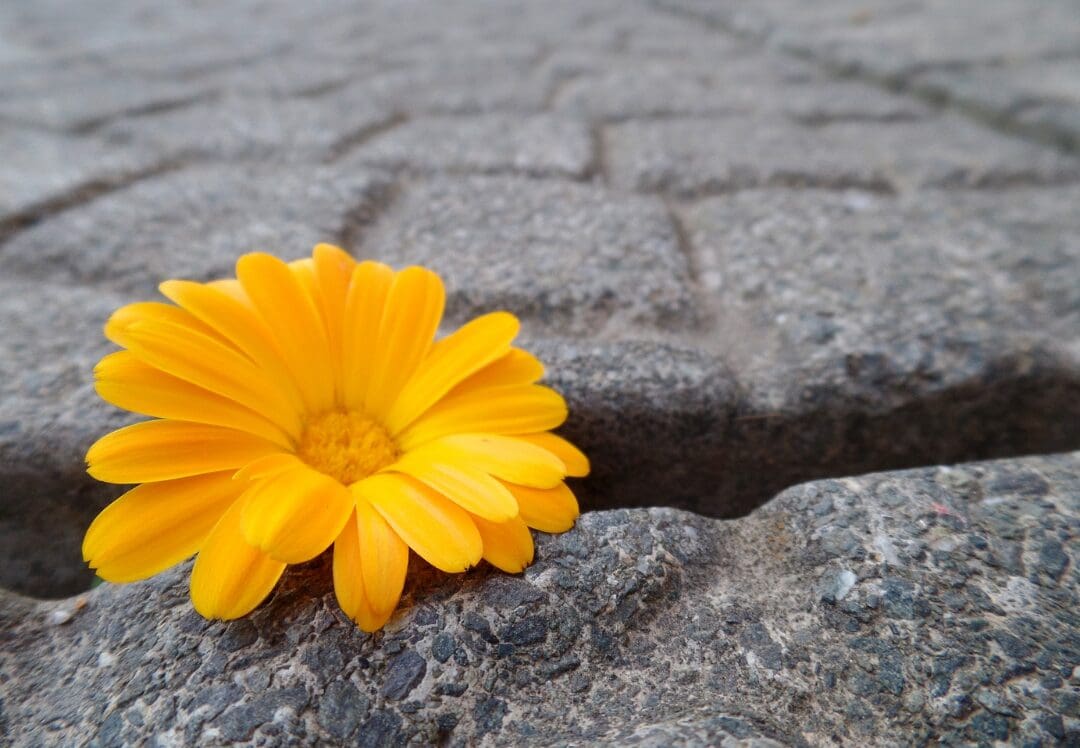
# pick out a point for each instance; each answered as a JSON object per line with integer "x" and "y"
{"x": 755, "y": 245}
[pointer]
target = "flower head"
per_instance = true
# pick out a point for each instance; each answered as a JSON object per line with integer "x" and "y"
{"x": 307, "y": 404}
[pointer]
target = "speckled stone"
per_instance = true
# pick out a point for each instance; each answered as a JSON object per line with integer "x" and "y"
{"x": 540, "y": 145}
{"x": 641, "y": 627}
{"x": 692, "y": 157}
{"x": 193, "y": 223}
{"x": 569, "y": 258}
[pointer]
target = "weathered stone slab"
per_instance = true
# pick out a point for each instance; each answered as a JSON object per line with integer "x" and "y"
{"x": 84, "y": 104}
{"x": 251, "y": 127}
{"x": 193, "y": 223}
{"x": 49, "y": 415}
{"x": 569, "y": 258}
{"x": 937, "y": 603}
{"x": 702, "y": 156}
{"x": 801, "y": 276}
{"x": 541, "y": 145}
{"x": 42, "y": 168}
{"x": 751, "y": 83}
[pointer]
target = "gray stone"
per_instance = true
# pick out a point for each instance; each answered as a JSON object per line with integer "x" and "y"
{"x": 569, "y": 258}
{"x": 539, "y": 146}
{"x": 43, "y": 171}
{"x": 701, "y": 156}
{"x": 251, "y": 127}
{"x": 747, "y": 84}
{"x": 655, "y": 572}
{"x": 81, "y": 105}
{"x": 193, "y": 223}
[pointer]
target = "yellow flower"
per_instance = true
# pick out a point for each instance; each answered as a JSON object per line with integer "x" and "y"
{"x": 305, "y": 405}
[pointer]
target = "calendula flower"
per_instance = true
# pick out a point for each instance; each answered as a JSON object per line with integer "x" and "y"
{"x": 307, "y": 404}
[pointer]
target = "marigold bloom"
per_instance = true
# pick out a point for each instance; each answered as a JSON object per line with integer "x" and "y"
{"x": 307, "y": 404}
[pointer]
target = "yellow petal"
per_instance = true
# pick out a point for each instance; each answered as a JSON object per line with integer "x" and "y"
{"x": 470, "y": 489}
{"x": 127, "y": 382}
{"x": 546, "y": 509}
{"x": 451, "y": 360}
{"x": 505, "y": 457}
{"x": 164, "y": 450}
{"x": 515, "y": 367}
{"x": 268, "y": 465}
{"x": 384, "y": 559}
{"x": 230, "y": 577}
{"x": 414, "y": 306}
{"x": 153, "y": 311}
{"x": 349, "y": 580}
{"x": 577, "y": 464}
{"x": 333, "y": 270}
{"x": 507, "y": 545}
{"x": 440, "y": 532}
{"x": 156, "y": 525}
{"x": 495, "y": 410}
{"x": 214, "y": 366}
{"x": 291, "y": 315}
{"x": 226, "y": 309}
{"x": 364, "y": 305}
{"x": 294, "y": 515}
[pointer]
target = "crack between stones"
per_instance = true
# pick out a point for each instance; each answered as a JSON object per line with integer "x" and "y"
{"x": 79, "y": 195}
{"x": 904, "y": 82}
{"x": 354, "y": 140}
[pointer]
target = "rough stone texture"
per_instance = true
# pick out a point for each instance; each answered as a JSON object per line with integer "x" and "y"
{"x": 754, "y": 244}
{"x": 539, "y": 146}
{"x": 695, "y": 156}
{"x": 1001, "y": 59}
{"x": 938, "y": 604}
{"x": 569, "y": 258}
{"x": 189, "y": 224}
{"x": 250, "y": 127}
{"x": 43, "y": 169}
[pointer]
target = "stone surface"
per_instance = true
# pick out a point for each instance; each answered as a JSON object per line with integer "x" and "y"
{"x": 641, "y": 626}
{"x": 999, "y": 58}
{"x": 251, "y": 127}
{"x": 191, "y": 223}
{"x": 569, "y": 258}
{"x": 538, "y": 146}
{"x": 43, "y": 169}
{"x": 754, "y": 244}
{"x": 692, "y": 157}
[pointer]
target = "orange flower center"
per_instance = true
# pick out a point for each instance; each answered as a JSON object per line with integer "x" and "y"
{"x": 348, "y": 446}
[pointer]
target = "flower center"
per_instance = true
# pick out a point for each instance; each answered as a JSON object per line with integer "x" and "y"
{"x": 347, "y": 446}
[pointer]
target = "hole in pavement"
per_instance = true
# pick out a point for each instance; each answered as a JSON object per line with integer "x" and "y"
{"x": 716, "y": 455}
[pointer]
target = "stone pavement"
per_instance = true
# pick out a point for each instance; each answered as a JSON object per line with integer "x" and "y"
{"x": 760, "y": 246}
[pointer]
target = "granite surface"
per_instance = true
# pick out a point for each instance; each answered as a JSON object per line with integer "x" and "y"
{"x": 761, "y": 248}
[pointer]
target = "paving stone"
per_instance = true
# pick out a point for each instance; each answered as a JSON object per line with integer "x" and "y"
{"x": 992, "y": 56}
{"x": 750, "y": 83}
{"x": 540, "y": 145}
{"x": 193, "y": 223}
{"x": 701, "y": 156}
{"x": 685, "y": 629}
{"x": 1041, "y": 97}
{"x": 569, "y": 258}
{"x": 81, "y": 105}
{"x": 49, "y": 415}
{"x": 251, "y": 127}
{"x": 40, "y": 168}
{"x": 805, "y": 275}
{"x": 463, "y": 88}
